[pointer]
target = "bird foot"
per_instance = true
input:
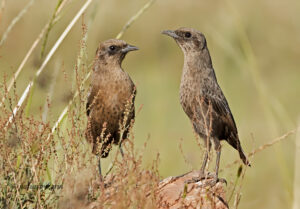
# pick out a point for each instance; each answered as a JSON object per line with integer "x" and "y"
{"x": 211, "y": 177}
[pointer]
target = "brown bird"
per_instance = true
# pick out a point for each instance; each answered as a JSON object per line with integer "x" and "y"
{"x": 110, "y": 102}
{"x": 202, "y": 98}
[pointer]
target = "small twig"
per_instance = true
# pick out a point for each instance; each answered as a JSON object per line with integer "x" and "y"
{"x": 50, "y": 94}
{"x": 275, "y": 141}
{"x": 184, "y": 156}
{"x": 240, "y": 169}
{"x": 238, "y": 193}
{"x": 264, "y": 146}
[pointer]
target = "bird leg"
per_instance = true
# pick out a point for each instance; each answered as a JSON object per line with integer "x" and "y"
{"x": 202, "y": 171}
{"x": 122, "y": 153}
{"x": 121, "y": 150}
{"x": 218, "y": 161}
{"x": 216, "y": 175}
{"x": 203, "y": 166}
{"x": 213, "y": 176}
{"x": 207, "y": 150}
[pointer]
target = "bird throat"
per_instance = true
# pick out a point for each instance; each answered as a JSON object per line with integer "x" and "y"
{"x": 197, "y": 61}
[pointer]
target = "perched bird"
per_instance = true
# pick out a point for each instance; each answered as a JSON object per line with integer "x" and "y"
{"x": 201, "y": 96}
{"x": 110, "y": 102}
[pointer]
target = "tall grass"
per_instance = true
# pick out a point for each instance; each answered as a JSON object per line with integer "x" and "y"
{"x": 39, "y": 165}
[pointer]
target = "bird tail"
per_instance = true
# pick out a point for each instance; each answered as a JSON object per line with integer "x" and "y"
{"x": 235, "y": 142}
{"x": 243, "y": 156}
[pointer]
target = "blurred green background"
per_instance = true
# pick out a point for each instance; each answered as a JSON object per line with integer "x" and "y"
{"x": 255, "y": 48}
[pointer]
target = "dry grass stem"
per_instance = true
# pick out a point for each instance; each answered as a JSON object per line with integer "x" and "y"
{"x": 15, "y": 20}
{"x": 50, "y": 93}
{"x": 29, "y": 53}
{"x": 264, "y": 146}
{"x": 2, "y": 6}
{"x": 59, "y": 5}
{"x": 134, "y": 18}
{"x": 48, "y": 57}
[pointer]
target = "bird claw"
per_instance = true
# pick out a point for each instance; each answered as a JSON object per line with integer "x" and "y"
{"x": 194, "y": 180}
{"x": 222, "y": 180}
{"x": 213, "y": 179}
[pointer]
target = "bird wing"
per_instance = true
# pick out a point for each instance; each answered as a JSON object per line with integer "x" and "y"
{"x": 220, "y": 109}
{"x": 224, "y": 126}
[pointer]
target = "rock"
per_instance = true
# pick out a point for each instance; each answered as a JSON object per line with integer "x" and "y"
{"x": 174, "y": 192}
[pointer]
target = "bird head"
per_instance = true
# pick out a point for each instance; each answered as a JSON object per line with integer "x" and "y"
{"x": 113, "y": 51}
{"x": 189, "y": 40}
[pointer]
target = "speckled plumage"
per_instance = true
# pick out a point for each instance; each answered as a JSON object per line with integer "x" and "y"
{"x": 111, "y": 97}
{"x": 200, "y": 94}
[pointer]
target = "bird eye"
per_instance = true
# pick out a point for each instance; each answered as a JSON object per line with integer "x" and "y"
{"x": 188, "y": 35}
{"x": 112, "y": 48}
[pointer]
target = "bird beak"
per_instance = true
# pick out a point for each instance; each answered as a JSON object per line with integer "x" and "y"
{"x": 129, "y": 48}
{"x": 170, "y": 33}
